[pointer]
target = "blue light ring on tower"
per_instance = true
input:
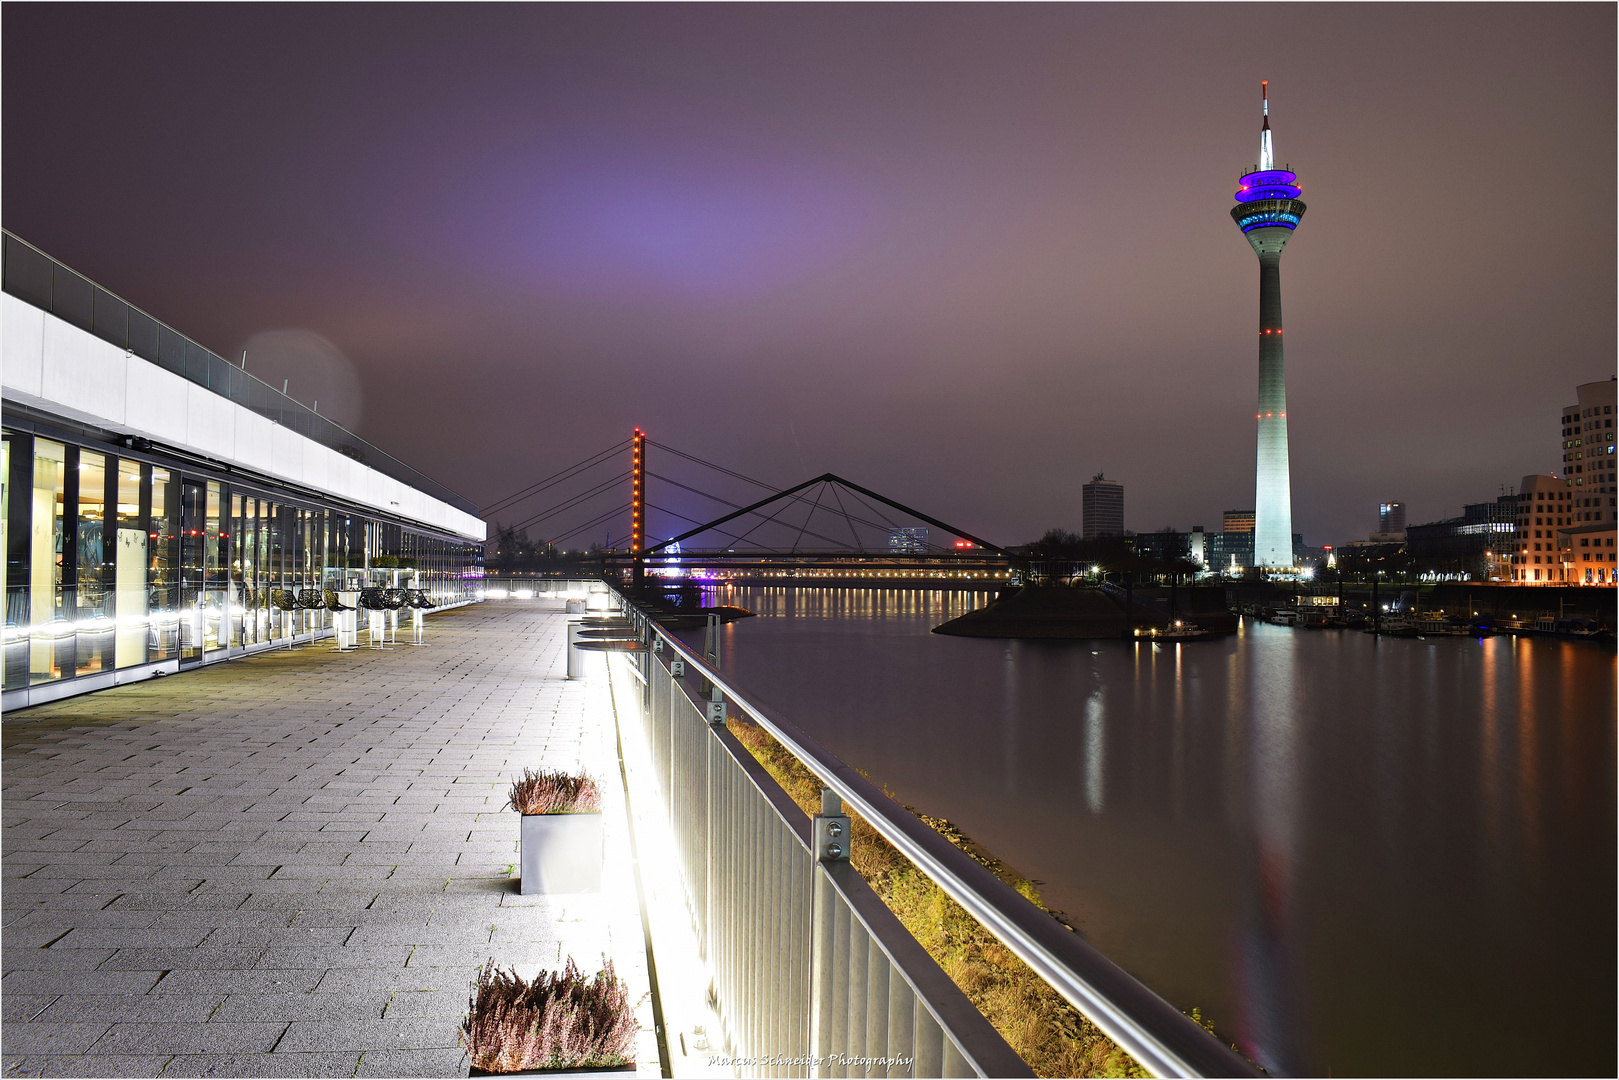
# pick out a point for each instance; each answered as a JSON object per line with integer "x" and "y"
{"x": 1268, "y": 213}
{"x": 1268, "y": 184}
{"x": 1269, "y": 220}
{"x": 1267, "y": 176}
{"x": 1279, "y": 191}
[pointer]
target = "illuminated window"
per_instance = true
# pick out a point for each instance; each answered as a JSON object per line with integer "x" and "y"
{"x": 49, "y": 652}
{"x": 94, "y": 629}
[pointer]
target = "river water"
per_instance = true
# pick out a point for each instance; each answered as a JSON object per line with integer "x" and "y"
{"x": 1355, "y": 855}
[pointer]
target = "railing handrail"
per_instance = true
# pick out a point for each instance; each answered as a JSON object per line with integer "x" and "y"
{"x": 1150, "y": 1029}
{"x": 400, "y": 471}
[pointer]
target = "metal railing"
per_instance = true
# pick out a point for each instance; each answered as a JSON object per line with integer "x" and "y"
{"x": 36, "y": 278}
{"x": 808, "y": 963}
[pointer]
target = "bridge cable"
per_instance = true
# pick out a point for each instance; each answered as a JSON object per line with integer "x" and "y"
{"x": 590, "y": 524}
{"x": 856, "y": 496}
{"x": 801, "y": 528}
{"x": 553, "y": 479}
{"x": 858, "y": 546}
{"x": 767, "y": 487}
{"x": 570, "y": 503}
{"x": 736, "y": 506}
{"x": 711, "y": 465}
{"x": 694, "y": 521}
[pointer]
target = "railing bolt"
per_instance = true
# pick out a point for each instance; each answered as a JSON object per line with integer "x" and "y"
{"x": 677, "y": 669}
{"x": 828, "y": 825}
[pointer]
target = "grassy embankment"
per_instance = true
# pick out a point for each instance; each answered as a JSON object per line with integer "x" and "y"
{"x": 1047, "y": 1032}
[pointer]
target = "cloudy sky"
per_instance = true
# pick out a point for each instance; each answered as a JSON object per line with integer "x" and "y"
{"x": 966, "y": 255}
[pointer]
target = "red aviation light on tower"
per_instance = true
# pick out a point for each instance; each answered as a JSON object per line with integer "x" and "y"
{"x": 637, "y": 491}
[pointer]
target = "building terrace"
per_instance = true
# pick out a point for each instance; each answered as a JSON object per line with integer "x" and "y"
{"x": 292, "y": 864}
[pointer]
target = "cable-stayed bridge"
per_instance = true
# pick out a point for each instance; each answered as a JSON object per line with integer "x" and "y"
{"x": 709, "y": 520}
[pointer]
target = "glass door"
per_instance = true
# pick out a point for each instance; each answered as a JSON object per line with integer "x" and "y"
{"x": 129, "y": 561}
{"x": 216, "y": 573}
{"x": 193, "y": 523}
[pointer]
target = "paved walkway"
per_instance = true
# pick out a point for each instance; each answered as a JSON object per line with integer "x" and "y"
{"x": 291, "y": 865}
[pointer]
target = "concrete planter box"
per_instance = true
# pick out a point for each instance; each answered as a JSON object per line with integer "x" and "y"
{"x": 561, "y": 853}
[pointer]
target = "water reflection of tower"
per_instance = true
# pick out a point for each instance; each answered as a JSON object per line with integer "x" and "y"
{"x": 1266, "y": 966}
{"x": 1268, "y": 210}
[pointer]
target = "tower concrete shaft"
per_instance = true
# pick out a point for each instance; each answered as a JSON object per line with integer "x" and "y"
{"x": 1268, "y": 210}
{"x": 1273, "y": 489}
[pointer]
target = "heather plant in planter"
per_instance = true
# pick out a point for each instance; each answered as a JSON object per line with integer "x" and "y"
{"x": 560, "y": 1020}
{"x": 561, "y": 831}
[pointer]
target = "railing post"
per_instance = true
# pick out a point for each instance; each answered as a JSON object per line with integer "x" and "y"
{"x": 829, "y": 831}
{"x": 649, "y": 638}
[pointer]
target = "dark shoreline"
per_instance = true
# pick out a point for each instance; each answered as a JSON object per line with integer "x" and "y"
{"x": 1083, "y": 613}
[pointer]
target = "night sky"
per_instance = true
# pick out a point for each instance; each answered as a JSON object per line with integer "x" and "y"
{"x": 967, "y": 256}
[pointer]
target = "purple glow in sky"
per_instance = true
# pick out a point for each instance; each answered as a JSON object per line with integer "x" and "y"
{"x": 967, "y": 255}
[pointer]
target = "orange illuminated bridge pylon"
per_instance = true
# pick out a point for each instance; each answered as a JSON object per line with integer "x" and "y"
{"x": 638, "y": 505}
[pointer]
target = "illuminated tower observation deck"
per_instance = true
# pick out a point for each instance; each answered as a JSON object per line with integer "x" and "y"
{"x": 1268, "y": 210}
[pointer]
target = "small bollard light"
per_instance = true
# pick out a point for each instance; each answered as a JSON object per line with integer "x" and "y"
{"x": 576, "y": 658}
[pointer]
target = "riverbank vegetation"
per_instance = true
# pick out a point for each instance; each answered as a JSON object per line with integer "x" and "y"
{"x": 1053, "y": 1037}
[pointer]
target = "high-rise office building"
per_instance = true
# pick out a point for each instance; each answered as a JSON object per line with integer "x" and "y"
{"x": 1103, "y": 508}
{"x": 1232, "y": 548}
{"x": 908, "y": 541}
{"x": 1268, "y": 210}
{"x": 1237, "y": 521}
{"x": 1390, "y": 524}
{"x": 1588, "y": 452}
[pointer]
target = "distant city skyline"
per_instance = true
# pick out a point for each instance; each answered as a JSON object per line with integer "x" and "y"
{"x": 963, "y": 255}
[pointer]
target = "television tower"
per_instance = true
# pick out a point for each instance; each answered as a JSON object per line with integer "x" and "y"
{"x": 1267, "y": 211}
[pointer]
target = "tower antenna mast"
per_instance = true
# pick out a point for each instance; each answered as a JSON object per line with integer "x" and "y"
{"x": 1267, "y": 154}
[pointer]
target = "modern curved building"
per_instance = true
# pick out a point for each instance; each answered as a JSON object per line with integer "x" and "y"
{"x": 1267, "y": 211}
{"x": 156, "y": 498}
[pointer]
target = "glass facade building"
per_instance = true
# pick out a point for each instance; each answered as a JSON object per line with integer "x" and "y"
{"x": 127, "y": 556}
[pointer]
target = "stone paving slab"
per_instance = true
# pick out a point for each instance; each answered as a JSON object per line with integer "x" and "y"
{"x": 293, "y": 864}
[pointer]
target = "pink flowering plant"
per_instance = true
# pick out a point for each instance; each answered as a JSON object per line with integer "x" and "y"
{"x": 558, "y": 1020}
{"x": 554, "y": 793}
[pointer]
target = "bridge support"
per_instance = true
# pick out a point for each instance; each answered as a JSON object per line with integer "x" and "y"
{"x": 638, "y": 511}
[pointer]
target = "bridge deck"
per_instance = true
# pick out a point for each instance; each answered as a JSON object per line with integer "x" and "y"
{"x": 291, "y": 865}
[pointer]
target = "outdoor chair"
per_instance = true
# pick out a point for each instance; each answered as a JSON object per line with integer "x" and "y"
{"x": 283, "y": 601}
{"x": 418, "y": 602}
{"x": 342, "y": 628}
{"x": 392, "y": 601}
{"x": 371, "y": 600}
{"x": 310, "y": 601}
